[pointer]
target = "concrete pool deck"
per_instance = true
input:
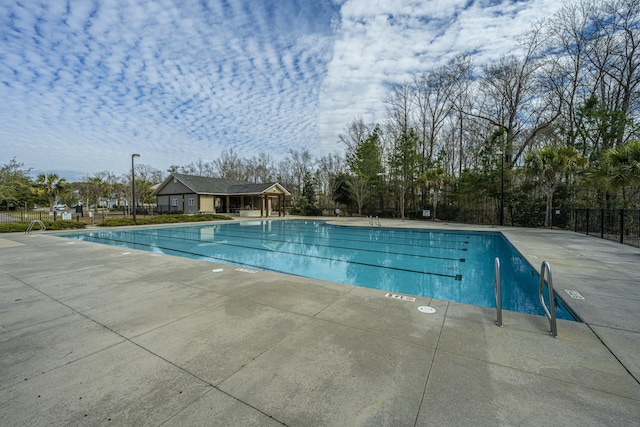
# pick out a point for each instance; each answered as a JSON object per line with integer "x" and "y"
{"x": 101, "y": 335}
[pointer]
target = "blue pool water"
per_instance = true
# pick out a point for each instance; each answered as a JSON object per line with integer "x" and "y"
{"x": 448, "y": 265}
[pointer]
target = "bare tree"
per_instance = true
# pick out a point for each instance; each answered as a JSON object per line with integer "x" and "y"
{"x": 399, "y": 102}
{"x": 260, "y": 168}
{"x": 460, "y": 71}
{"x": 329, "y": 167}
{"x": 355, "y": 133}
{"x": 230, "y": 166}
{"x": 284, "y": 175}
{"x": 433, "y": 99}
{"x": 148, "y": 173}
{"x": 564, "y": 68}
{"x": 359, "y": 190}
{"x": 614, "y": 50}
{"x": 301, "y": 165}
{"x": 593, "y": 67}
{"x": 511, "y": 100}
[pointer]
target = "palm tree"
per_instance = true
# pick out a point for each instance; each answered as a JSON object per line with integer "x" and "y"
{"x": 620, "y": 168}
{"x": 549, "y": 165}
{"x": 52, "y": 185}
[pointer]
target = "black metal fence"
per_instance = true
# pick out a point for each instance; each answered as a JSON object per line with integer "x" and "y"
{"x": 28, "y": 216}
{"x": 618, "y": 225}
{"x": 87, "y": 216}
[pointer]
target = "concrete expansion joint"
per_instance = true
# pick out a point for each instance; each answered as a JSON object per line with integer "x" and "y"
{"x": 637, "y": 380}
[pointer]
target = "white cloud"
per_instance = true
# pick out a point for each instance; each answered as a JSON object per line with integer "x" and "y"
{"x": 388, "y": 41}
{"x": 91, "y": 82}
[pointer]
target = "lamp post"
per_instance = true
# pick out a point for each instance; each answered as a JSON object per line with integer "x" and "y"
{"x": 501, "y": 186}
{"x": 381, "y": 175}
{"x": 133, "y": 187}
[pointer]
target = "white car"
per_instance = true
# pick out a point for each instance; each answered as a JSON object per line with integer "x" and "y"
{"x": 60, "y": 207}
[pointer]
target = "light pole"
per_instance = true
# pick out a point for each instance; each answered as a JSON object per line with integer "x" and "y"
{"x": 381, "y": 175}
{"x": 133, "y": 187}
{"x": 501, "y": 186}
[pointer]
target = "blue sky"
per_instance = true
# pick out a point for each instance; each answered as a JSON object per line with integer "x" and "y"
{"x": 86, "y": 83}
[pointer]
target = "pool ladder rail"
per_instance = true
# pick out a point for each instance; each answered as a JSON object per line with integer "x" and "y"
{"x": 374, "y": 221}
{"x": 498, "y": 291}
{"x": 34, "y": 222}
{"x": 550, "y": 311}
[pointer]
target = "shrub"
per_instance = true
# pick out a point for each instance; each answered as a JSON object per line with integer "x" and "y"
{"x": 163, "y": 219}
{"x": 17, "y": 227}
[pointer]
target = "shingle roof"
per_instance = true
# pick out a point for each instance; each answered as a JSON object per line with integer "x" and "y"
{"x": 219, "y": 186}
{"x": 206, "y": 185}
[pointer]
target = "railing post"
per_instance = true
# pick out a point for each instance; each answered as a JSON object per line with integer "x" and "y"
{"x": 621, "y": 225}
{"x": 498, "y": 291}
{"x": 588, "y": 210}
{"x": 602, "y": 223}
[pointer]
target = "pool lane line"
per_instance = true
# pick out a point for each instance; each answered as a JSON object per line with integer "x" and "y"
{"x": 333, "y": 238}
{"x": 400, "y": 239}
{"x": 387, "y": 230}
{"x": 266, "y": 239}
{"x": 453, "y": 276}
{"x": 263, "y": 237}
{"x": 301, "y": 254}
{"x": 386, "y": 233}
{"x": 299, "y": 243}
{"x": 311, "y": 224}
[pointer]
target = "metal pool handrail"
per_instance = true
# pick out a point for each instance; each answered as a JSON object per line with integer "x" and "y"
{"x": 498, "y": 291}
{"x": 34, "y": 222}
{"x": 551, "y": 311}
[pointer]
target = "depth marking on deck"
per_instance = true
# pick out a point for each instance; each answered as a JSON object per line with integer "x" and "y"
{"x": 400, "y": 297}
{"x": 574, "y": 294}
{"x": 246, "y": 270}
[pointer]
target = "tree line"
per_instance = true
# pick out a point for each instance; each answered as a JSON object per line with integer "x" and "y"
{"x": 19, "y": 190}
{"x": 551, "y": 126}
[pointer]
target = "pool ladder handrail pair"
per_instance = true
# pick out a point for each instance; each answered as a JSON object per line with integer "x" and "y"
{"x": 550, "y": 312}
{"x": 374, "y": 221}
{"x": 34, "y": 222}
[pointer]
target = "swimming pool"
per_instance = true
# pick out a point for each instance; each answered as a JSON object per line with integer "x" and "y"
{"x": 449, "y": 265}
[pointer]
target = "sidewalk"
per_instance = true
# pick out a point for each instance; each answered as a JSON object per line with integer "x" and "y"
{"x": 100, "y": 335}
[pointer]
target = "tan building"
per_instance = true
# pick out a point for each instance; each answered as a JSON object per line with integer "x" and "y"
{"x": 198, "y": 194}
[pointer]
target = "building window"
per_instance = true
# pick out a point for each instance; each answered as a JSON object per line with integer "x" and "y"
{"x": 174, "y": 202}
{"x": 191, "y": 201}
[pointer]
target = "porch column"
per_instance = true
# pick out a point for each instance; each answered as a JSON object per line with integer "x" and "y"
{"x": 228, "y": 205}
{"x": 267, "y": 204}
{"x": 261, "y": 205}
